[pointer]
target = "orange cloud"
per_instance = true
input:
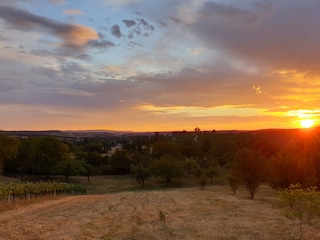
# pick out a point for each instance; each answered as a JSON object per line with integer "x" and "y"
{"x": 73, "y": 12}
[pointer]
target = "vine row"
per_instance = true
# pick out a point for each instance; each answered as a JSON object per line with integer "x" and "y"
{"x": 28, "y": 190}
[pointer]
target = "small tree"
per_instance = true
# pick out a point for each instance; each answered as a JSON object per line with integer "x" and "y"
{"x": 249, "y": 168}
{"x": 301, "y": 204}
{"x": 190, "y": 167}
{"x": 120, "y": 162}
{"x": 211, "y": 172}
{"x": 69, "y": 167}
{"x": 166, "y": 167}
{"x": 141, "y": 173}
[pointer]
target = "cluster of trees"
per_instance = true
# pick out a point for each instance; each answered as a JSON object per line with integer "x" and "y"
{"x": 279, "y": 158}
{"x": 290, "y": 159}
{"x": 141, "y": 157}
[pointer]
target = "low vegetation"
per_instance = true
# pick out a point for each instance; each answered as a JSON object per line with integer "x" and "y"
{"x": 179, "y": 186}
{"x": 164, "y": 213}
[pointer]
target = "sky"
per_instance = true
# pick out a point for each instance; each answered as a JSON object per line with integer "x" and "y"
{"x": 159, "y": 65}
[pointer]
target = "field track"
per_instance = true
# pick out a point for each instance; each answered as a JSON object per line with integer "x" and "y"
{"x": 189, "y": 213}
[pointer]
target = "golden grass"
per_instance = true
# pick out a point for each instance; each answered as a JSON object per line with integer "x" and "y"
{"x": 187, "y": 213}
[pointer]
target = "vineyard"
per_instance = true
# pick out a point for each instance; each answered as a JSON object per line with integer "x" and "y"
{"x": 29, "y": 190}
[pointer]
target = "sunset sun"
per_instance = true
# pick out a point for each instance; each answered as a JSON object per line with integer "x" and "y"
{"x": 306, "y": 123}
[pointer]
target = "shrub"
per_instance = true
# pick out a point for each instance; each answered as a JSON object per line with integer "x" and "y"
{"x": 302, "y": 204}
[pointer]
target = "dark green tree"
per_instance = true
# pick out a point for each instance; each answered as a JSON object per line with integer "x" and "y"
{"x": 249, "y": 168}
{"x": 141, "y": 166}
{"x": 70, "y": 167}
{"x": 167, "y": 167}
{"x": 50, "y": 151}
{"x": 8, "y": 148}
{"x": 162, "y": 148}
{"x": 206, "y": 144}
{"x": 191, "y": 167}
{"x": 120, "y": 162}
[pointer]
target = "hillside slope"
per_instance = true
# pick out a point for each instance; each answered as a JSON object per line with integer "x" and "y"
{"x": 190, "y": 213}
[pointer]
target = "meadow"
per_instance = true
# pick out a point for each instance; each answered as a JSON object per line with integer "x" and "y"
{"x": 116, "y": 208}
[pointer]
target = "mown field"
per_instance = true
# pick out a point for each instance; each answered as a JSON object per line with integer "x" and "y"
{"x": 115, "y": 208}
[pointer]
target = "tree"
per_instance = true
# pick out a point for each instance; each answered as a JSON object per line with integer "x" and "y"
{"x": 141, "y": 167}
{"x": 188, "y": 148}
{"x": 27, "y": 161}
{"x": 8, "y": 148}
{"x": 190, "y": 167}
{"x": 206, "y": 145}
{"x": 291, "y": 168}
{"x": 222, "y": 151}
{"x": 141, "y": 173}
{"x": 249, "y": 169}
{"x": 302, "y": 204}
{"x": 211, "y": 172}
{"x": 50, "y": 151}
{"x": 162, "y": 148}
{"x": 167, "y": 167}
{"x": 69, "y": 167}
{"x": 120, "y": 162}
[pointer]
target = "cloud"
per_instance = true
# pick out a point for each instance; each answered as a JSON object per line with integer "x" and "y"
{"x": 196, "y": 51}
{"x": 42, "y": 52}
{"x": 129, "y": 23}
{"x": 58, "y": 2}
{"x": 72, "y": 36}
{"x": 269, "y": 34}
{"x": 101, "y": 44}
{"x": 137, "y": 27}
{"x": 73, "y": 12}
{"x": 115, "y": 31}
{"x": 117, "y": 3}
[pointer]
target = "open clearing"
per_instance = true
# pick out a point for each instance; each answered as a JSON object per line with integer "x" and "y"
{"x": 187, "y": 213}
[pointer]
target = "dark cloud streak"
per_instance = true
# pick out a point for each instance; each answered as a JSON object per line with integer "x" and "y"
{"x": 72, "y": 36}
{"x": 129, "y": 23}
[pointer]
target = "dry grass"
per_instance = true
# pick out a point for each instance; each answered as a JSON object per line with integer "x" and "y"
{"x": 188, "y": 213}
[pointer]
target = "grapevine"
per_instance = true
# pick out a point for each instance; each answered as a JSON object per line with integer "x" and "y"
{"x": 28, "y": 190}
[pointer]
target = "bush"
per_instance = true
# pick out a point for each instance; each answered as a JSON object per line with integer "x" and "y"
{"x": 302, "y": 204}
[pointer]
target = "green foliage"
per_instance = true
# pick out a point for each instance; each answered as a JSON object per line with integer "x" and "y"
{"x": 8, "y": 148}
{"x": 206, "y": 144}
{"x": 94, "y": 147}
{"x": 120, "y": 162}
{"x": 70, "y": 167}
{"x": 167, "y": 167}
{"x": 291, "y": 168}
{"x": 211, "y": 172}
{"x": 187, "y": 148}
{"x": 28, "y": 190}
{"x": 141, "y": 173}
{"x": 249, "y": 168}
{"x": 49, "y": 151}
{"x": 27, "y": 156}
{"x": 190, "y": 167}
{"x": 162, "y": 148}
{"x": 302, "y": 204}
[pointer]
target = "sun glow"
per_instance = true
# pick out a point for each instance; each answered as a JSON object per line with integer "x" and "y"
{"x": 306, "y": 123}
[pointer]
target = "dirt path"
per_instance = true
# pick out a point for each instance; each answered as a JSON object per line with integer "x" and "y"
{"x": 188, "y": 214}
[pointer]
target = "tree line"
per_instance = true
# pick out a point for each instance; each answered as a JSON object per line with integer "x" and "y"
{"x": 279, "y": 158}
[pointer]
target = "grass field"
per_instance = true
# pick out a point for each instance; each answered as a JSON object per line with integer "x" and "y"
{"x": 126, "y": 212}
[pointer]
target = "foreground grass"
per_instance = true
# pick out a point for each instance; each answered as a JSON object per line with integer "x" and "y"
{"x": 185, "y": 213}
{"x": 117, "y": 208}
